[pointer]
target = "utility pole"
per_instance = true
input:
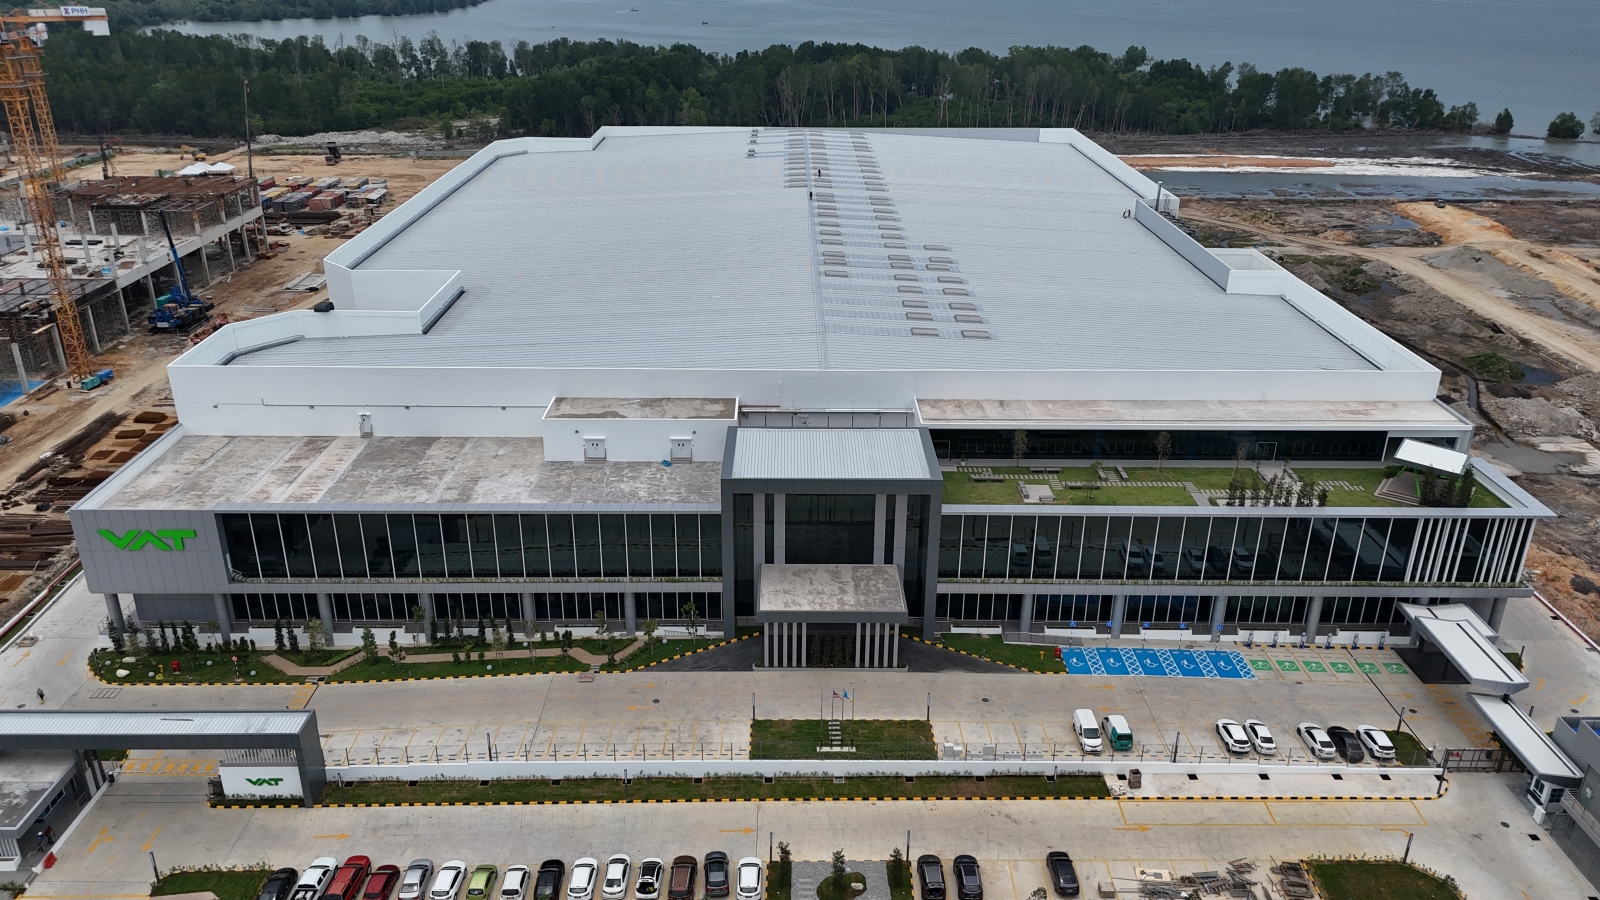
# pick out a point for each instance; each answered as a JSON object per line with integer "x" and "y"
{"x": 249, "y": 153}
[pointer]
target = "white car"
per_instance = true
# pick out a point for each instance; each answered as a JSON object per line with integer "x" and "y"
{"x": 1232, "y": 735}
{"x": 581, "y": 885}
{"x": 515, "y": 885}
{"x": 448, "y": 880}
{"x": 318, "y": 874}
{"x": 748, "y": 882}
{"x": 648, "y": 884}
{"x": 1316, "y": 740}
{"x": 1260, "y": 737}
{"x": 615, "y": 885}
{"x": 1376, "y": 742}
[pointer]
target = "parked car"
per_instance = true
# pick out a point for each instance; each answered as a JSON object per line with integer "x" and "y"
{"x": 615, "y": 884}
{"x": 717, "y": 874}
{"x": 969, "y": 881}
{"x": 280, "y": 885}
{"x": 348, "y": 879}
{"x": 316, "y": 876}
{"x": 1244, "y": 561}
{"x": 1088, "y": 733}
{"x": 930, "y": 872}
{"x": 414, "y": 882}
{"x": 581, "y": 885}
{"x": 748, "y": 884}
{"x": 648, "y": 884}
{"x": 548, "y": 885}
{"x": 1063, "y": 875}
{"x": 481, "y": 885}
{"x": 1194, "y": 560}
{"x": 1260, "y": 737}
{"x": 1115, "y": 730}
{"x": 1316, "y": 740}
{"x": 515, "y": 885}
{"x": 381, "y": 883}
{"x": 1232, "y": 736}
{"x": 447, "y": 881}
{"x": 681, "y": 884}
{"x": 1348, "y": 745}
{"x": 1376, "y": 741}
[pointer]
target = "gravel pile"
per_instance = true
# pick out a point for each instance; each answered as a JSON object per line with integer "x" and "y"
{"x": 1538, "y": 417}
{"x": 405, "y": 139}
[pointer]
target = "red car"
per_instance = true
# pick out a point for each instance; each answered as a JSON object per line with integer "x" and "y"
{"x": 382, "y": 883}
{"x": 348, "y": 879}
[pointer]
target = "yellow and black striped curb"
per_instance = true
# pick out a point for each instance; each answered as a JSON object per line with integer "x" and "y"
{"x": 147, "y": 683}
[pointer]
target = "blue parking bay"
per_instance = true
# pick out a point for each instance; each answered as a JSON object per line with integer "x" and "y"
{"x": 1156, "y": 662}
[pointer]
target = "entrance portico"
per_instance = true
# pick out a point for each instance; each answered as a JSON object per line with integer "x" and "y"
{"x": 851, "y": 614}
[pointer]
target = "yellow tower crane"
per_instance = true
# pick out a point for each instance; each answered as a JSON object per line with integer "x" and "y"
{"x": 38, "y": 154}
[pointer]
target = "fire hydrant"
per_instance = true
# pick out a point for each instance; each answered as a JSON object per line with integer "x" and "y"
{"x": 175, "y": 667}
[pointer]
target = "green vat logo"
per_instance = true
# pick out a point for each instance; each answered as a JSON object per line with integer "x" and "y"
{"x": 265, "y": 782}
{"x": 138, "y": 539}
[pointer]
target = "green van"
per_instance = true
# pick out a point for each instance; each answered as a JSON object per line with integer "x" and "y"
{"x": 1118, "y": 735}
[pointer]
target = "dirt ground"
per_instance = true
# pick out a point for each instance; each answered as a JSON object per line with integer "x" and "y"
{"x": 1145, "y": 162}
{"x": 53, "y": 416}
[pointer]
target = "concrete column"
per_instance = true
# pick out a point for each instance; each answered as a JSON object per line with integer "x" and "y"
{"x": 114, "y": 611}
{"x": 766, "y": 646}
{"x": 630, "y": 612}
{"x": 780, "y": 539}
{"x": 325, "y": 612}
{"x": 205, "y": 264}
{"x": 901, "y": 501}
{"x": 858, "y": 645}
{"x": 870, "y": 657}
{"x": 150, "y": 287}
{"x": 1219, "y": 612}
{"x": 227, "y": 241}
{"x": 427, "y": 614}
{"x": 1027, "y": 613}
{"x": 61, "y": 354}
{"x": 880, "y": 520}
{"x": 526, "y": 599}
{"x": 803, "y": 647}
{"x": 1119, "y": 605}
{"x": 758, "y": 503}
{"x": 894, "y": 652}
{"x": 94, "y": 333}
{"x": 22, "y": 371}
{"x": 122, "y": 310}
{"x": 224, "y": 622}
{"x": 1497, "y": 612}
{"x": 1313, "y": 617}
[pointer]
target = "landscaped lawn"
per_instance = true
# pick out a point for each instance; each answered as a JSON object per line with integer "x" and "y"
{"x": 959, "y": 489}
{"x": 872, "y": 738}
{"x": 325, "y": 657}
{"x": 1408, "y": 751}
{"x": 990, "y": 646}
{"x": 1367, "y": 478}
{"x": 1206, "y": 478}
{"x": 226, "y": 885}
{"x": 514, "y": 663}
{"x": 733, "y": 788}
{"x": 156, "y": 668}
{"x": 1375, "y": 880}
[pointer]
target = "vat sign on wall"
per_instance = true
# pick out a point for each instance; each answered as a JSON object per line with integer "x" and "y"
{"x": 260, "y": 781}
{"x": 168, "y": 539}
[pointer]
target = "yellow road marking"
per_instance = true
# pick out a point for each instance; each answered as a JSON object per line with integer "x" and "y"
{"x": 103, "y": 837}
{"x": 64, "y": 659}
{"x": 25, "y": 655}
{"x": 145, "y": 847}
{"x": 1579, "y": 701}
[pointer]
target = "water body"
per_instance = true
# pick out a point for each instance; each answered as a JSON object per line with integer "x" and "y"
{"x": 1534, "y": 56}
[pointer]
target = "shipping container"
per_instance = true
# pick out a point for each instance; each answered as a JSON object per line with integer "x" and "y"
{"x": 359, "y": 181}
{"x": 266, "y": 182}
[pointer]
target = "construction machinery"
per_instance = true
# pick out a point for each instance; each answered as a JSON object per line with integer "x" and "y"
{"x": 332, "y": 157}
{"x": 193, "y": 153}
{"x": 37, "y": 152}
{"x": 179, "y": 311}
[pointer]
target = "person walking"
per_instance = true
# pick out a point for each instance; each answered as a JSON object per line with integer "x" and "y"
{"x": 50, "y": 835}
{"x": 40, "y": 692}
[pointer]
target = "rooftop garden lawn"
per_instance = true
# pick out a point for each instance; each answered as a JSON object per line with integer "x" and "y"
{"x": 1368, "y": 480}
{"x": 959, "y": 488}
{"x": 1206, "y": 478}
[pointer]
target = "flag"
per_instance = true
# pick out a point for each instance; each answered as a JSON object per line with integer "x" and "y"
{"x": 836, "y": 695}
{"x": 847, "y": 695}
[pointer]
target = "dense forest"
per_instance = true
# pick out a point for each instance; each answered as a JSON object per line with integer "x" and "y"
{"x": 167, "y": 83}
{"x": 139, "y": 13}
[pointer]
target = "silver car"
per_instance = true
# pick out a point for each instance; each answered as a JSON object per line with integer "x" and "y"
{"x": 414, "y": 881}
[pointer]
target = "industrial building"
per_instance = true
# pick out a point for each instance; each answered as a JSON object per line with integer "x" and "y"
{"x": 923, "y": 379}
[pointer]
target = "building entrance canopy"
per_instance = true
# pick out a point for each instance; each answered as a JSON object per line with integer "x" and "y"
{"x": 857, "y": 608}
{"x": 1465, "y": 640}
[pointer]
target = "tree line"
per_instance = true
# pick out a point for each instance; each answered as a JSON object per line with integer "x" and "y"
{"x": 162, "y": 82}
{"x": 141, "y": 13}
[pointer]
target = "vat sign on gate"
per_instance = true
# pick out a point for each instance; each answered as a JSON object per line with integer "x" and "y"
{"x": 260, "y": 781}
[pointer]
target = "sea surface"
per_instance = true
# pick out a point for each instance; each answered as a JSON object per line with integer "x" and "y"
{"x": 1537, "y": 57}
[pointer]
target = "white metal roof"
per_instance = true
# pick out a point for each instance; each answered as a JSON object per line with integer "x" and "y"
{"x": 1465, "y": 639}
{"x": 681, "y": 251}
{"x": 1431, "y": 456}
{"x": 1531, "y": 745}
{"x": 843, "y": 453}
{"x": 69, "y": 724}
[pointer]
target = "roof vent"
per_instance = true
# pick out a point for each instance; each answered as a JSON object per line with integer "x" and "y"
{"x": 899, "y": 265}
{"x": 951, "y": 279}
{"x": 832, "y": 240}
{"x": 751, "y": 151}
{"x": 934, "y": 247}
{"x": 900, "y": 256}
{"x": 940, "y": 259}
{"x": 904, "y": 276}
{"x": 938, "y": 267}
{"x": 957, "y": 292}
{"x": 977, "y": 319}
{"x": 920, "y": 316}
{"x": 884, "y": 227}
{"x": 958, "y": 305}
{"x": 914, "y": 304}
{"x": 975, "y": 334}
{"x": 324, "y": 306}
{"x": 908, "y": 289}
{"x": 894, "y": 246}
{"x": 925, "y": 332}
{"x": 836, "y": 273}
{"x": 876, "y": 197}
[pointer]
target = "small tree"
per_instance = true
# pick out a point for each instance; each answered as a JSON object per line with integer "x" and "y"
{"x": 1019, "y": 445}
{"x": 294, "y": 639}
{"x": 785, "y": 863}
{"x": 692, "y": 613}
{"x": 497, "y": 640}
{"x": 278, "y": 643}
{"x": 1038, "y": 894}
{"x": 566, "y": 641}
{"x": 418, "y": 616}
{"x": 838, "y": 870}
{"x": 135, "y": 639}
{"x": 1503, "y": 122}
{"x": 115, "y": 634}
{"x": 483, "y": 633}
{"x": 191, "y": 641}
{"x": 369, "y": 643}
{"x": 396, "y": 652}
{"x": 899, "y": 870}
{"x": 1565, "y": 127}
{"x": 1465, "y": 488}
{"x": 649, "y": 628}
{"x": 316, "y": 640}
{"x": 1163, "y": 449}
{"x": 600, "y": 626}
{"x": 161, "y": 636}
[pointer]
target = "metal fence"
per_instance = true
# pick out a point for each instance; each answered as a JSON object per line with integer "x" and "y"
{"x": 1480, "y": 759}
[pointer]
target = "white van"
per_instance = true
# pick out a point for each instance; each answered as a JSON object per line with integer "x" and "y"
{"x": 1083, "y": 725}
